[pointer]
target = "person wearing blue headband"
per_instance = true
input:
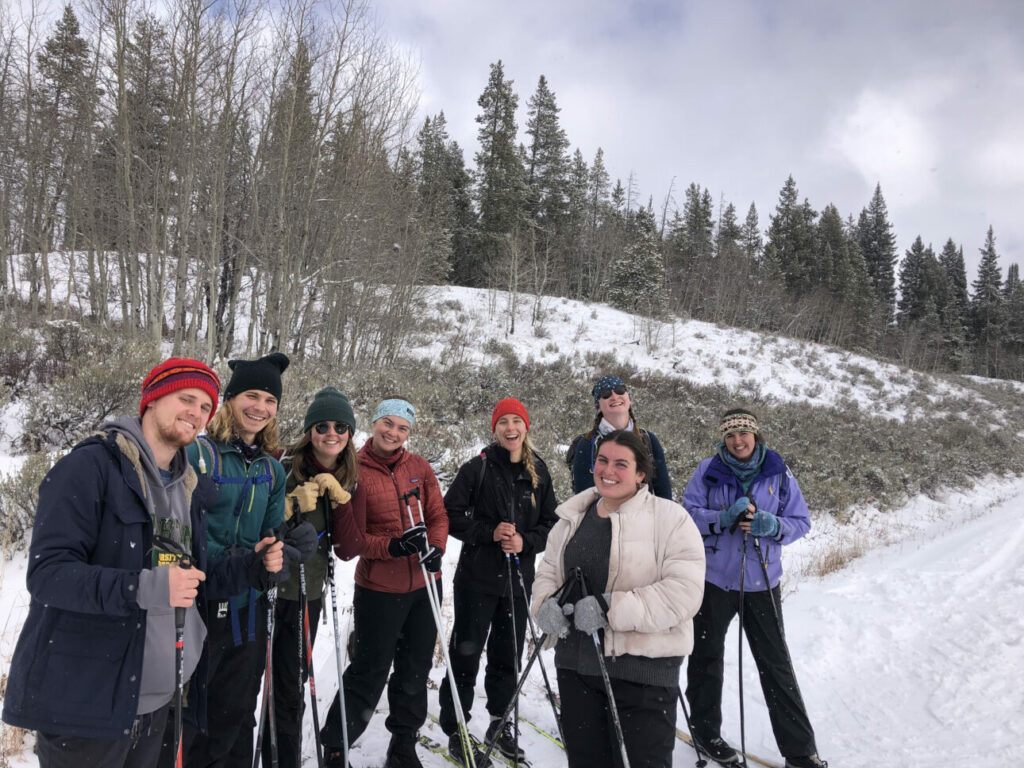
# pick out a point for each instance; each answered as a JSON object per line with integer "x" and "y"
{"x": 393, "y": 621}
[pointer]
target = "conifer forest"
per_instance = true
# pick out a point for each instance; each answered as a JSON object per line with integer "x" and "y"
{"x": 215, "y": 161}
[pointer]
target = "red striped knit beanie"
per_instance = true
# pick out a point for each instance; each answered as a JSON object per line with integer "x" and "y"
{"x": 179, "y": 373}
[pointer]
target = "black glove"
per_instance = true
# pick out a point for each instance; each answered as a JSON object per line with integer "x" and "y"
{"x": 412, "y": 542}
{"x": 431, "y": 560}
{"x": 300, "y": 542}
{"x": 285, "y": 573}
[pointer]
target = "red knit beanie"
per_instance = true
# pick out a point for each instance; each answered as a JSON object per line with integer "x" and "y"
{"x": 179, "y": 373}
{"x": 509, "y": 405}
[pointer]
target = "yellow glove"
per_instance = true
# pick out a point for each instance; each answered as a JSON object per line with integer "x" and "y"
{"x": 329, "y": 484}
{"x": 306, "y": 494}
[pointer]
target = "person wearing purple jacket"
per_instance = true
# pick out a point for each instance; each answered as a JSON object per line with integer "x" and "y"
{"x": 747, "y": 506}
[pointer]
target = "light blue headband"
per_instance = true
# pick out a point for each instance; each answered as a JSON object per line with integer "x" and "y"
{"x": 396, "y": 407}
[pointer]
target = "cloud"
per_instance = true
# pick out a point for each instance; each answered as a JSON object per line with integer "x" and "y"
{"x": 882, "y": 136}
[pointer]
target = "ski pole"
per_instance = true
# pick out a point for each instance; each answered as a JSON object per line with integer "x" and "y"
{"x": 701, "y": 762}
{"x": 305, "y": 635}
{"x": 743, "y": 574}
{"x": 604, "y": 676}
{"x": 533, "y": 634}
{"x": 515, "y": 660}
{"x": 562, "y": 593}
{"x": 179, "y": 672}
{"x": 306, "y": 655}
{"x": 337, "y": 636}
{"x": 435, "y": 607}
{"x": 267, "y": 707}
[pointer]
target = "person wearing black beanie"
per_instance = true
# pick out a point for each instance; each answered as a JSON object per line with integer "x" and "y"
{"x": 237, "y": 454}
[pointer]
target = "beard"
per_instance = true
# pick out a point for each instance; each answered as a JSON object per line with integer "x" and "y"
{"x": 174, "y": 435}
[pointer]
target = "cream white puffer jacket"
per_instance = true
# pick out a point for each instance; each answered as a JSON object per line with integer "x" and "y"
{"x": 655, "y": 573}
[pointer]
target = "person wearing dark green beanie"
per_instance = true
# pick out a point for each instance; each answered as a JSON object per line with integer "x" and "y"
{"x": 323, "y": 474}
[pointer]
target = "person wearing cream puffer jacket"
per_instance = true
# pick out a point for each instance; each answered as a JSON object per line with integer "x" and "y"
{"x": 644, "y": 556}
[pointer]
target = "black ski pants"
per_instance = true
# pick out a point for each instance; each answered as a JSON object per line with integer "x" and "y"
{"x": 140, "y": 750}
{"x": 706, "y": 667}
{"x": 235, "y": 676}
{"x": 647, "y": 714}
{"x": 387, "y": 628}
{"x": 289, "y": 701}
{"x": 483, "y": 619}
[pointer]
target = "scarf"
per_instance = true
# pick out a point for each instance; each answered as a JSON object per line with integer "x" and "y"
{"x": 745, "y": 471}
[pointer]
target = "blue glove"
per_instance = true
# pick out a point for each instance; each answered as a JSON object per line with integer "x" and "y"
{"x": 765, "y": 525}
{"x": 728, "y": 517}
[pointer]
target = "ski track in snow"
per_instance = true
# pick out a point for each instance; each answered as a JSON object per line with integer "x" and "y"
{"x": 912, "y": 656}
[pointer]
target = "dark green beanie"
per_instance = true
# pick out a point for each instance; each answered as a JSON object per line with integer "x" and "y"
{"x": 329, "y": 405}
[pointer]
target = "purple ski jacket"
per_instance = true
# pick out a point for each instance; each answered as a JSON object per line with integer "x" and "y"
{"x": 713, "y": 488}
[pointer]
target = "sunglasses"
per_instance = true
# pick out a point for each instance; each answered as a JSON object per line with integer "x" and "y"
{"x": 324, "y": 427}
{"x": 618, "y": 389}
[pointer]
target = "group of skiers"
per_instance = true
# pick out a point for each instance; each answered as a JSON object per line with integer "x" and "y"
{"x": 181, "y": 558}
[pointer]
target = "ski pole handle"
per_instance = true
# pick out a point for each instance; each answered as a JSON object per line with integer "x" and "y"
{"x": 185, "y": 563}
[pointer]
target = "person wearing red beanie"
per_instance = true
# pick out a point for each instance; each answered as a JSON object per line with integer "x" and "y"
{"x": 501, "y": 505}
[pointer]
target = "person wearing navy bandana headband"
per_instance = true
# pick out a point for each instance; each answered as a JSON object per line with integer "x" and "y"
{"x": 613, "y": 409}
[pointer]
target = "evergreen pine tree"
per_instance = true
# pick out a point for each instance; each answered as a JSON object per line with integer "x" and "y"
{"x": 500, "y": 189}
{"x": 878, "y": 245}
{"x": 750, "y": 235}
{"x": 791, "y": 252}
{"x": 988, "y": 310}
{"x": 636, "y": 281}
{"x": 727, "y": 237}
{"x": 1013, "y": 291}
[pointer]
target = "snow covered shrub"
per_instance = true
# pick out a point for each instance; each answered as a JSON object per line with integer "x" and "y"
{"x": 19, "y": 495}
{"x": 19, "y": 349}
{"x": 103, "y": 382}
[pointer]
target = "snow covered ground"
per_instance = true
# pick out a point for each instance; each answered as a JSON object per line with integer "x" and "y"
{"x": 912, "y": 656}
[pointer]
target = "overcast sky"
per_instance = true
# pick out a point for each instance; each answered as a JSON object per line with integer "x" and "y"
{"x": 926, "y": 98}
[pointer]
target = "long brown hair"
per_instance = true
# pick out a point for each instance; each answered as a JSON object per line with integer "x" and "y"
{"x": 223, "y": 428}
{"x": 347, "y": 471}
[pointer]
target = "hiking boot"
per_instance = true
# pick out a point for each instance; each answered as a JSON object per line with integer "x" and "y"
{"x": 402, "y": 753}
{"x": 455, "y": 751}
{"x": 718, "y": 750}
{"x": 506, "y": 743}
{"x": 807, "y": 761}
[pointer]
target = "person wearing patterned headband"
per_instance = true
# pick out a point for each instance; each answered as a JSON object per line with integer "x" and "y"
{"x": 614, "y": 410}
{"x": 746, "y": 498}
{"x": 393, "y": 621}
{"x": 94, "y": 667}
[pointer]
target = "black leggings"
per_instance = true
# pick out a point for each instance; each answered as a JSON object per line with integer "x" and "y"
{"x": 706, "y": 668}
{"x": 387, "y": 627}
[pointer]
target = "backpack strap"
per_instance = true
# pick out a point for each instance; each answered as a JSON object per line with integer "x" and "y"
{"x": 479, "y": 484}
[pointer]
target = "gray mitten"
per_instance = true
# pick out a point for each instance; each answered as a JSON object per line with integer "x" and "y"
{"x": 588, "y": 615}
{"x": 551, "y": 620}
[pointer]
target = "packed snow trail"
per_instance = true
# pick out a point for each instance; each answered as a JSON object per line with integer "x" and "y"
{"x": 913, "y": 655}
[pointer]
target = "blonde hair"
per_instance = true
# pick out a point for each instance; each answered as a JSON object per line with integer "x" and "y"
{"x": 347, "y": 471}
{"x": 224, "y": 428}
{"x": 528, "y": 460}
